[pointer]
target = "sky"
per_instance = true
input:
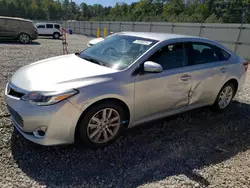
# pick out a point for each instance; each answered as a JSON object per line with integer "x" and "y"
{"x": 104, "y": 2}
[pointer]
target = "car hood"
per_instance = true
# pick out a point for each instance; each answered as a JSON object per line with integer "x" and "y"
{"x": 61, "y": 72}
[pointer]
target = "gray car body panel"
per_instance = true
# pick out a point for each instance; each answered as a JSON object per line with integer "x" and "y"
{"x": 148, "y": 96}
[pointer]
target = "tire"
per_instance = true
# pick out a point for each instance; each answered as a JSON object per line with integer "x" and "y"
{"x": 86, "y": 132}
{"x": 218, "y": 102}
{"x": 24, "y": 38}
{"x": 56, "y": 35}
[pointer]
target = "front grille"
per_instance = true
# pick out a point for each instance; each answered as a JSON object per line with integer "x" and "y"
{"x": 17, "y": 118}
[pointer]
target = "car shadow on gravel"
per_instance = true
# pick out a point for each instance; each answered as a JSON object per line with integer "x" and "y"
{"x": 176, "y": 145}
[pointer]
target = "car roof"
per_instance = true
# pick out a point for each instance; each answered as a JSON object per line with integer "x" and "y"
{"x": 15, "y": 18}
{"x": 48, "y": 23}
{"x": 158, "y": 36}
{"x": 168, "y": 36}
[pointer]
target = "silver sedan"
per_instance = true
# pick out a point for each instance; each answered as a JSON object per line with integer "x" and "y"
{"x": 122, "y": 81}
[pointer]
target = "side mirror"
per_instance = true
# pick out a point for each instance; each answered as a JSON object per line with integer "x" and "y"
{"x": 150, "y": 66}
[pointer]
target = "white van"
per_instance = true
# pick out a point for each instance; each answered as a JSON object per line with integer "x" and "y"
{"x": 49, "y": 29}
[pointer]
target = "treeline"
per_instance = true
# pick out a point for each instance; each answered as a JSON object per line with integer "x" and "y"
{"x": 209, "y": 11}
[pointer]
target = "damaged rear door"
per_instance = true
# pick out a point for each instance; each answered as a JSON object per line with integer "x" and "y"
{"x": 206, "y": 70}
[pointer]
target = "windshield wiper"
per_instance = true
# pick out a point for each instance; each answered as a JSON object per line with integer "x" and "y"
{"x": 93, "y": 60}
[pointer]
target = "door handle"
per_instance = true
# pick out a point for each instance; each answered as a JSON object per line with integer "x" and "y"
{"x": 185, "y": 77}
{"x": 223, "y": 70}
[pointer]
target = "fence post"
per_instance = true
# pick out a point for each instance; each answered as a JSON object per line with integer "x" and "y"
{"x": 172, "y": 28}
{"x": 84, "y": 30}
{"x": 90, "y": 28}
{"x": 120, "y": 26}
{"x": 238, "y": 37}
{"x": 79, "y": 27}
{"x": 200, "y": 29}
{"x": 150, "y": 27}
{"x": 133, "y": 25}
{"x": 109, "y": 27}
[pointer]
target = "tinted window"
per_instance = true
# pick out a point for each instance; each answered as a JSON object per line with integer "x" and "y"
{"x": 169, "y": 57}
{"x": 27, "y": 25}
{"x": 41, "y": 26}
{"x": 49, "y": 26}
{"x": 225, "y": 55}
{"x": 57, "y": 26}
{"x": 201, "y": 53}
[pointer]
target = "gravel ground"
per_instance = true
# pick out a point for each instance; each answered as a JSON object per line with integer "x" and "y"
{"x": 195, "y": 149}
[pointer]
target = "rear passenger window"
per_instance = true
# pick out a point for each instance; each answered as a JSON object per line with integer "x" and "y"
{"x": 201, "y": 53}
{"x": 224, "y": 55}
{"x": 57, "y": 26}
{"x": 170, "y": 56}
{"x": 41, "y": 26}
{"x": 49, "y": 26}
{"x": 13, "y": 23}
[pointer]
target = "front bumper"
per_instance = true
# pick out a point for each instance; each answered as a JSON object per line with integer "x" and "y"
{"x": 34, "y": 35}
{"x": 60, "y": 120}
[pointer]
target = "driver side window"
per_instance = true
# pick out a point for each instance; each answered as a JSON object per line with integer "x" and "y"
{"x": 170, "y": 56}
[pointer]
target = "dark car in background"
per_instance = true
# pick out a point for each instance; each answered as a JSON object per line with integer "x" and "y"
{"x": 17, "y": 29}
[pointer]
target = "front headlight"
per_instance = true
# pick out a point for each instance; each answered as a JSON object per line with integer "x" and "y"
{"x": 47, "y": 98}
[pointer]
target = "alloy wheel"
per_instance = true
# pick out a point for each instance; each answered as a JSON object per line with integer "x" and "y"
{"x": 103, "y": 126}
{"x": 24, "y": 38}
{"x": 225, "y": 97}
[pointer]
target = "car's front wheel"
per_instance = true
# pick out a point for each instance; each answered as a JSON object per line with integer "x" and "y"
{"x": 101, "y": 125}
{"x": 224, "y": 97}
{"x": 24, "y": 38}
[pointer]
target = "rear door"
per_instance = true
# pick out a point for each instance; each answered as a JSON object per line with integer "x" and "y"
{"x": 57, "y": 27}
{"x": 49, "y": 29}
{"x": 12, "y": 28}
{"x": 208, "y": 70}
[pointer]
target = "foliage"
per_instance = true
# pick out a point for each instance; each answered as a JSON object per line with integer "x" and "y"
{"x": 209, "y": 11}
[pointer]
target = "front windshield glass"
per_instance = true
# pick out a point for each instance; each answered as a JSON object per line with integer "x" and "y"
{"x": 118, "y": 51}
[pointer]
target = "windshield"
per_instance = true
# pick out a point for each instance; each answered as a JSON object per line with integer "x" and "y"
{"x": 118, "y": 51}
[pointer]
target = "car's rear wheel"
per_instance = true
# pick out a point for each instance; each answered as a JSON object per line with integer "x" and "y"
{"x": 56, "y": 35}
{"x": 24, "y": 38}
{"x": 224, "y": 97}
{"x": 101, "y": 125}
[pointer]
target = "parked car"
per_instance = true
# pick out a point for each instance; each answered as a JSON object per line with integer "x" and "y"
{"x": 94, "y": 41}
{"x": 97, "y": 40}
{"x": 17, "y": 29}
{"x": 96, "y": 94}
{"x": 49, "y": 29}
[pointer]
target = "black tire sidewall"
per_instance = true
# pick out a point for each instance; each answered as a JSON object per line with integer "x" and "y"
{"x": 84, "y": 120}
{"x": 216, "y": 104}
{"x": 54, "y": 35}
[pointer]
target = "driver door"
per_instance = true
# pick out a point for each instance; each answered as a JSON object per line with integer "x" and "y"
{"x": 159, "y": 93}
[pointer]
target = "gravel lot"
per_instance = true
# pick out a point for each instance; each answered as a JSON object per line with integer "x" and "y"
{"x": 195, "y": 149}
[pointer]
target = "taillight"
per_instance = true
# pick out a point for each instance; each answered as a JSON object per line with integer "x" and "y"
{"x": 245, "y": 64}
